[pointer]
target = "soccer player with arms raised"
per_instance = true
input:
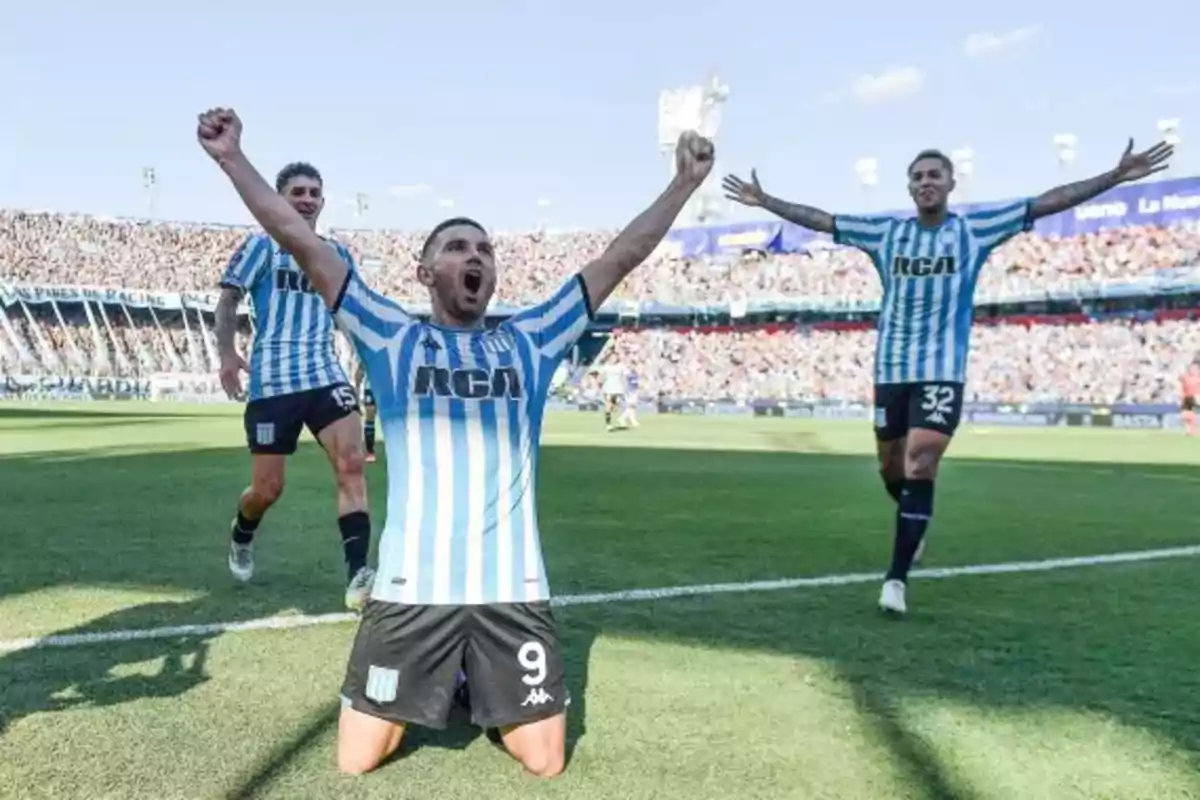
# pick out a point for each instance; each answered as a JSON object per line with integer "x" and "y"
{"x": 295, "y": 382}
{"x": 461, "y": 577}
{"x": 929, "y": 265}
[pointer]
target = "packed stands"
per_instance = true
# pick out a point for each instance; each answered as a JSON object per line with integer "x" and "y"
{"x": 162, "y": 277}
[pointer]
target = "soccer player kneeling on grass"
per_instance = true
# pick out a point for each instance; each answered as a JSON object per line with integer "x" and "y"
{"x": 461, "y": 578}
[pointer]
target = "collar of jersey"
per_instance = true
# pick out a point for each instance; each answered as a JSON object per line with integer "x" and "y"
{"x": 450, "y": 329}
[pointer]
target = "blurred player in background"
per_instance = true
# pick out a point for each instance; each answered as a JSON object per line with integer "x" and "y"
{"x": 462, "y": 577}
{"x": 362, "y": 385}
{"x": 929, "y": 265}
{"x": 629, "y": 415}
{"x": 295, "y": 382}
{"x": 612, "y": 386}
{"x": 1189, "y": 388}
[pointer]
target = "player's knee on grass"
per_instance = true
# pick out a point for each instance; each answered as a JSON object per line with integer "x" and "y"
{"x": 539, "y": 746}
{"x": 365, "y": 742}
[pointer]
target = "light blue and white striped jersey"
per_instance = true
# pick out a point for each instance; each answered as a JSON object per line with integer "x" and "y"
{"x": 293, "y": 347}
{"x": 929, "y": 277}
{"x": 461, "y": 412}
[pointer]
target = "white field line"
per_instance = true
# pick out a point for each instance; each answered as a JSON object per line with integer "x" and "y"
{"x": 278, "y": 623}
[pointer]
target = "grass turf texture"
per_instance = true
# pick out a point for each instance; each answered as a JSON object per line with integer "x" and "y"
{"x": 1072, "y": 684}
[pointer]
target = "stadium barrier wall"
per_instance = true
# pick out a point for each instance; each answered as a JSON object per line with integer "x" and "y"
{"x": 1146, "y": 416}
{"x": 1162, "y": 283}
{"x": 205, "y": 388}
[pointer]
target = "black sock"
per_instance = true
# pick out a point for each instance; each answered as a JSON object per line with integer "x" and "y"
{"x": 912, "y": 518}
{"x": 243, "y": 528}
{"x": 893, "y": 487}
{"x": 369, "y": 435}
{"x": 608, "y": 418}
{"x": 356, "y": 539}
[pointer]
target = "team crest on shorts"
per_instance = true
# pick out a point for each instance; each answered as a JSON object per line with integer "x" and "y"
{"x": 264, "y": 433}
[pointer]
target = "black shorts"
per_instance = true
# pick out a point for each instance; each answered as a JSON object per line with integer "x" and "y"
{"x": 273, "y": 424}
{"x": 1189, "y": 404}
{"x": 405, "y": 658}
{"x": 368, "y": 397}
{"x": 900, "y": 407}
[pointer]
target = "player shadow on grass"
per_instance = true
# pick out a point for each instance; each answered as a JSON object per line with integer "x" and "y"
{"x": 48, "y": 679}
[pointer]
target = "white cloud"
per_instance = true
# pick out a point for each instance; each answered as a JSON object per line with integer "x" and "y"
{"x": 891, "y": 84}
{"x": 409, "y": 190}
{"x": 988, "y": 45}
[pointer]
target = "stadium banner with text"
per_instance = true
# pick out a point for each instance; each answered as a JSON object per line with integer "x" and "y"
{"x": 12, "y": 293}
{"x": 1166, "y": 202}
{"x": 54, "y": 387}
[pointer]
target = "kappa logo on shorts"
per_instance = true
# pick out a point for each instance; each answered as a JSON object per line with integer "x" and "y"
{"x": 880, "y": 417}
{"x": 264, "y": 433}
{"x": 382, "y": 684}
{"x": 537, "y": 697}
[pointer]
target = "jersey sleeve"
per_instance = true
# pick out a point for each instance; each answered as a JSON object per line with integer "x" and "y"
{"x": 992, "y": 227}
{"x": 868, "y": 234}
{"x": 367, "y": 317}
{"x": 347, "y": 256}
{"x": 247, "y": 262}
{"x": 556, "y": 325}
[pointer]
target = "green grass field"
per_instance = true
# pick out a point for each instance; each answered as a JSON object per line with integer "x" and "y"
{"x": 1076, "y": 683}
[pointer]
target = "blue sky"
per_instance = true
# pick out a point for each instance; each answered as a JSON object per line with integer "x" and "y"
{"x": 497, "y": 104}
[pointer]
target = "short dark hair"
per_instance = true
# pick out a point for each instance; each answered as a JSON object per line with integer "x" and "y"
{"x": 449, "y": 223}
{"x": 297, "y": 169}
{"x": 938, "y": 154}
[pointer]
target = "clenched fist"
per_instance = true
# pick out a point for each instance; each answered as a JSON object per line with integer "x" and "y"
{"x": 220, "y": 133}
{"x": 693, "y": 157}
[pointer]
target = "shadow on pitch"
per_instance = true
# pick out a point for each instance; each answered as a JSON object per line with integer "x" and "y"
{"x": 52, "y": 679}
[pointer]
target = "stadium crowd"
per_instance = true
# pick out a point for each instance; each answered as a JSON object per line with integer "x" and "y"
{"x": 1094, "y": 361}
{"x": 43, "y": 248}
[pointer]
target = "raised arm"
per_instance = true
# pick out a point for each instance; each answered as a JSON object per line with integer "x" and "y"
{"x": 752, "y": 194}
{"x": 220, "y": 133}
{"x": 1132, "y": 166}
{"x": 633, "y": 245}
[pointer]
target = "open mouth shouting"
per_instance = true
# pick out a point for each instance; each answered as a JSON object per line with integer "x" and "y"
{"x": 472, "y": 280}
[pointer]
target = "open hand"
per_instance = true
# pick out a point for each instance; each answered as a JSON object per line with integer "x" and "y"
{"x": 1134, "y": 166}
{"x": 748, "y": 194}
{"x": 231, "y": 382}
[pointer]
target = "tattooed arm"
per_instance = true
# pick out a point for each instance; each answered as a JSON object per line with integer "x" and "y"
{"x": 1132, "y": 166}
{"x": 225, "y": 330}
{"x": 752, "y": 194}
{"x": 1069, "y": 195}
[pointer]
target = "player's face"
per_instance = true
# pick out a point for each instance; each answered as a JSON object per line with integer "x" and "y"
{"x": 460, "y": 272}
{"x": 930, "y": 184}
{"x": 307, "y": 196}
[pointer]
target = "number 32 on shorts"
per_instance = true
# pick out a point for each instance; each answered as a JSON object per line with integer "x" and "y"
{"x": 938, "y": 400}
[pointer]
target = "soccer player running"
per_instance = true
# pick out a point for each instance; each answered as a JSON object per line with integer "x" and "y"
{"x": 295, "y": 382}
{"x": 929, "y": 265}
{"x": 461, "y": 577}
{"x": 362, "y": 385}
